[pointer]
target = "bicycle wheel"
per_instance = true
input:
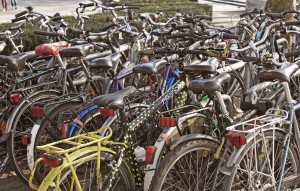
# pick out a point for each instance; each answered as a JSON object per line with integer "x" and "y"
{"x": 23, "y": 121}
{"x": 253, "y": 171}
{"x": 190, "y": 166}
{"x": 86, "y": 170}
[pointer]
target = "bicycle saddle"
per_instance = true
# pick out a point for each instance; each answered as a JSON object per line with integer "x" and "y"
{"x": 15, "y": 62}
{"x": 106, "y": 62}
{"x": 282, "y": 74}
{"x": 2, "y": 46}
{"x": 209, "y": 86}
{"x": 150, "y": 68}
{"x": 114, "y": 100}
{"x": 50, "y": 49}
{"x": 77, "y": 51}
{"x": 198, "y": 67}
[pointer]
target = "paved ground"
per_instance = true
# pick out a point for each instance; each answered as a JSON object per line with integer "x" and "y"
{"x": 64, "y": 7}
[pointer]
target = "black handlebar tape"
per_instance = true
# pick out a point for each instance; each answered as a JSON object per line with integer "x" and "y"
{"x": 21, "y": 14}
{"x": 230, "y": 36}
{"x": 18, "y": 19}
{"x": 76, "y": 31}
{"x": 288, "y": 23}
{"x": 274, "y": 15}
{"x": 107, "y": 27}
{"x": 184, "y": 26}
{"x": 250, "y": 59}
{"x": 181, "y": 35}
{"x": 290, "y": 54}
{"x": 44, "y": 33}
{"x": 88, "y": 5}
{"x": 37, "y": 19}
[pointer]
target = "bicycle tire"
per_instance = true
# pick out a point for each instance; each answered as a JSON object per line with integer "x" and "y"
{"x": 124, "y": 174}
{"x": 239, "y": 163}
{"x": 171, "y": 159}
{"x": 19, "y": 163}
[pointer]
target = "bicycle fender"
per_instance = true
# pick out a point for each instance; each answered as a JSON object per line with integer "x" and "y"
{"x": 190, "y": 137}
{"x": 237, "y": 152}
{"x": 25, "y": 100}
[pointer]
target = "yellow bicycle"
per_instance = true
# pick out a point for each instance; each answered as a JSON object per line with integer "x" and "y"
{"x": 75, "y": 164}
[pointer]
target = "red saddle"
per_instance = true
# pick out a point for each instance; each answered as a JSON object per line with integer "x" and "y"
{"x": 50, "y": 49}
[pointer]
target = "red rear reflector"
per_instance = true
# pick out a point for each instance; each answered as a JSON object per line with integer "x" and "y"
{"x": 107, "y": 112}
{"x": 52, "y": 160}
{"x": 37, "y": 111}
{"x": 236, "y": 139}
{"x": 167, "y": 121}
{"x": 26, "y": 139}
{"x": 64, "y": 130}
{"x": 15, "y": 98}
{"x": 150, "y": 153}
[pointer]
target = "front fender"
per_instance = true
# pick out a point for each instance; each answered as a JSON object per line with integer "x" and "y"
{"x": 191, "y": 137}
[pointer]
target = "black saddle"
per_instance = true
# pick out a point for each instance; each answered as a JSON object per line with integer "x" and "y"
{"x": 114, "y": 100}
{"x": 282, "y": 74}
{"x": 77, "y": 51}
{"x": 207, "y": 67}
{"x": 209, "y": 86}
{"x": 106, "y": 62}
{"x": 2, "y": 46}
{"x": 150, "y": 68}
{"x": 15, "y": 62}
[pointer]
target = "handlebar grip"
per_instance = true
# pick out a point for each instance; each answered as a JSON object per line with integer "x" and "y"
{"x": 21, "y": 14}
{"x": 274, "y": 15}
{"x": 107, "y": 27}
{"x": 44, "y": 33}
{"x": 290, "y": 54}
{"x": 244, "y": 14}
{"x": 18, "y": 19}
{"x": 57, "y": 18}
{"x": 250, "y": 59}
{"x": 37, "y": 19}
{"x": 76, "y": 31}
{"x": 230, "y": 36}
{"x": 184, "y": 26}
{"x": 87, "y": 5}
{"x": 206, "y": 17}
{"x": 180, "y": 35}
{"x": 288, "y": 23}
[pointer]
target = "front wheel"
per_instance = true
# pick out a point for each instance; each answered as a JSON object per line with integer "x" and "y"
{"x": 259, "y": 164}
{"x": 190, "y": 166}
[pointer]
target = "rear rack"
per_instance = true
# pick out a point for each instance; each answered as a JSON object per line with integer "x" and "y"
{"x": 273, "y": 117}
{"x": 72, "y": 144}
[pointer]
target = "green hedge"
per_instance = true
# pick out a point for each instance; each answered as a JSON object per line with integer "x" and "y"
{"x": 99, "y": 20}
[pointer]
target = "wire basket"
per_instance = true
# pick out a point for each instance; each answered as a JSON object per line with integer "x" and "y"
{"x": 273, "y": 117}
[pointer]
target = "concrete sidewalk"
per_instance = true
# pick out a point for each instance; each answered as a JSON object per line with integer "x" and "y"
{"x": 50, "y": 7}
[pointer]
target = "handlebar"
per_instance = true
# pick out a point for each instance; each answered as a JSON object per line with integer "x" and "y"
{"x": 44, "y": 33}
{"x": 20, "y": 14}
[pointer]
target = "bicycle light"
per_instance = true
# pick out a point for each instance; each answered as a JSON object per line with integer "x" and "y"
{"x": 52, "y": 160}
{"x": 150, "y": 153}
{"x": 237, "y": 140}
{"x": 167, "y": 121}
{"x": 15, "y": 98}
{"x": 37, "y": 111}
